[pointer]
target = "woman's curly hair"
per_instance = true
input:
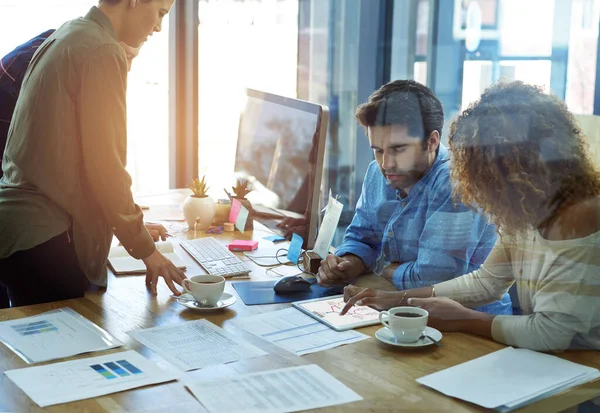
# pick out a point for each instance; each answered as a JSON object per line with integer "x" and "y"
{"x": 519, "y": 156}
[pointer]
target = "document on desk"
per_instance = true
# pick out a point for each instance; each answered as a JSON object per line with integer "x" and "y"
{"x": 195, "y": 344}
{"x": 56, "y": 334}
{"x": 89, "y": 377}
{"x": 276, "y": 391}
{"x": 510, "y": 378}
{"x": 297, "y": 332}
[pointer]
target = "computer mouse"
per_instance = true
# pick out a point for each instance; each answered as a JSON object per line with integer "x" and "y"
{"x": 291, "y": 284}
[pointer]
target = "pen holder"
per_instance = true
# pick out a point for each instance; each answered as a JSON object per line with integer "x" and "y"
{"x": 312, "y": 262}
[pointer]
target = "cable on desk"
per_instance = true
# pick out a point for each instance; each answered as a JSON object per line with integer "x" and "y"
{"x": 301, "y": 259}
{"x": 277, "y": 256}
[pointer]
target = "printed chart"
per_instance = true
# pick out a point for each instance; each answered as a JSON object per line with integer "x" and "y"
{"x": 113, "y": 370}
{"x": 53, "y": 335}
{"x": 27, "y": 329}
{"x": 89, "y": 377}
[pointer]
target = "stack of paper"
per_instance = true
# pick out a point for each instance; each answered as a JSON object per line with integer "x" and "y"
{"x": 509, "y": 379}
{"x": 122, "y": 263}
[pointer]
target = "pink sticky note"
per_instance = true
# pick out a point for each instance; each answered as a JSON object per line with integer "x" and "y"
{"x": 236, "y": 205}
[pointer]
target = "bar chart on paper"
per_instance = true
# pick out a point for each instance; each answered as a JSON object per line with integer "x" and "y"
{"x": 90, "y": 377}
{"x": 38, "y": 327}
{"x": 113, "y": 370}
{"x": 56, "y": 334}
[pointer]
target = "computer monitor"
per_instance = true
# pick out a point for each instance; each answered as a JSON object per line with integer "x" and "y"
{"x": 280, "y": 150}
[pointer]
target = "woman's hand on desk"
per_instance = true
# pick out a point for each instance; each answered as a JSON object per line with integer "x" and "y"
{"x": 160, "y": 266}
{"x": 380, "y": 300}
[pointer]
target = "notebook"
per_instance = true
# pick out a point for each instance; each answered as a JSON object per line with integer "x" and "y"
{"x": 121, "y": 262}
{"x": 509, "y": 379}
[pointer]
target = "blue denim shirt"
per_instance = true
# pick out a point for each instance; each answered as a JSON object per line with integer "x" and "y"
{"x": 434, "y": 238}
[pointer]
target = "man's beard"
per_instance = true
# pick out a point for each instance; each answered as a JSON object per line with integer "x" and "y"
{"x": 407, "y": 178}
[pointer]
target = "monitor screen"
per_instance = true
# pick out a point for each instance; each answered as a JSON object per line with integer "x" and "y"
{"x": 280, "y": 149}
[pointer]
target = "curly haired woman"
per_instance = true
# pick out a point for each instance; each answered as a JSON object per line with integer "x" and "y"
{"x": 520, "y": 157}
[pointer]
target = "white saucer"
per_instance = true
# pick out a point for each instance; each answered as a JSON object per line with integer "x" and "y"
{"x": 385, "y": 335}
{"x": 187, "y": 300}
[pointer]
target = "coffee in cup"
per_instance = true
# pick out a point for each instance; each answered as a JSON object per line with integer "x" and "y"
{"x": 206, "y": 289}
{"x": 407, "y": 323}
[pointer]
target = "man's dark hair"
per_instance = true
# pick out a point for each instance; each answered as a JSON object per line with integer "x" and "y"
{"x": 403, "y": 102}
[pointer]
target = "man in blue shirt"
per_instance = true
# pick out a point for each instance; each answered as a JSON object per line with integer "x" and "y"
{"x": 406, "y": 216}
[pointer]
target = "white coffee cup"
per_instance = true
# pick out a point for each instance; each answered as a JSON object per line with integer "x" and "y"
{"x": 206, "y": 289}
{"x": 407, "y": 323}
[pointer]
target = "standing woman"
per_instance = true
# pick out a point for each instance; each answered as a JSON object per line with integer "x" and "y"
{"x": 65, "y": 190}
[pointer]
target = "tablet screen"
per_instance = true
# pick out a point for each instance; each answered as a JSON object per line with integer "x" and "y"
{"x": 329, "y": 310}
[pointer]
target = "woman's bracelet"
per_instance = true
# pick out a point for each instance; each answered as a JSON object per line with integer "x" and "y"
{"x": 403, "y": 297}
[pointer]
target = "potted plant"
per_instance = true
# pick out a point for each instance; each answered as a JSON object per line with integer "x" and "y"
{"x": 199, "y": 207}
{"x": 241, "y": 190}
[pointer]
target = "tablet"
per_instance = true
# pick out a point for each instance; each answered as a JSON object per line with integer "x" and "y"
{"x": 327, "y": 310}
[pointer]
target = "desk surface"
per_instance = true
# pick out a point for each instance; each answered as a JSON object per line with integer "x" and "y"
{"x": 383, "y": 375}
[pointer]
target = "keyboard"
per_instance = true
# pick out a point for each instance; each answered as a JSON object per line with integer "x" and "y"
{"x": 214, "y": 257}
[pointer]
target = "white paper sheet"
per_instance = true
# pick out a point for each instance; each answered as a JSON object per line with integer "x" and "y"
{"x": 53, "y": 335}
{"x": 277, "y": 391}
{"x": 329, "y": 225}
{"x": 195, "y": 344}
{"x": 85, "y": 378}
{"x": 508, "y": 378}
{"x": 297, "y": 332}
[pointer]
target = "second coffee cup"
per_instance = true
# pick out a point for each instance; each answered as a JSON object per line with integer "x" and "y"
{"x": 407, "y": 323}
{"x": 206, "y": 289}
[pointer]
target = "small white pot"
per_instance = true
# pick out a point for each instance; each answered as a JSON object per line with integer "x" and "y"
{"x": 201, "y": 209}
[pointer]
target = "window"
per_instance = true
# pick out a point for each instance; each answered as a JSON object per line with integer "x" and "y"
{"x": 148, "y": 115}
{"x": 581, "y": 69}
{"x": 242, "y": 44}
{"x": 28, "y": 18}
{"x": 522, "y": 35}
{"x": 147, "y": 95}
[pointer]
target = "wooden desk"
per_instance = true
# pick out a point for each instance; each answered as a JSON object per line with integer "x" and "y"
{"x": 383, "y": 375}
